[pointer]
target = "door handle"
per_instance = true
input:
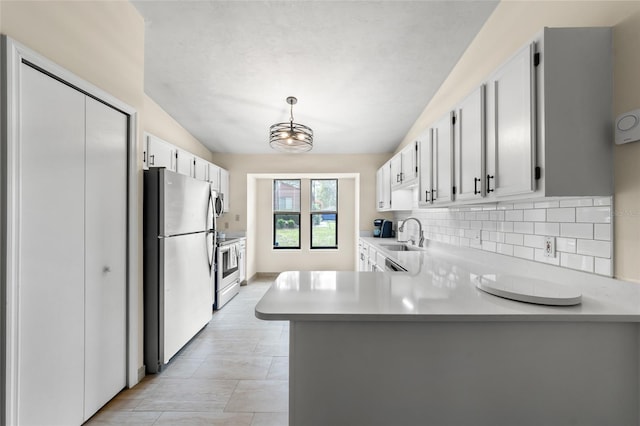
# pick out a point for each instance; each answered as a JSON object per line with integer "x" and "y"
{"x": 152, "y": 159}
{"x": 489, "y": 177}
{"x": 475, "y": 186}
{"x": 433, "y": 195}
{"x": 426, "y": 195}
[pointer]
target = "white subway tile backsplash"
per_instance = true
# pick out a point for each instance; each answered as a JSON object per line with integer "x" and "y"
{"x": 504, "y": 249}
{"x": 535, "y": 241}
{"x": 517, "y": 239}
{"x": 523, "y": 252}
{"x": 602, "y": 231}
{"x": 540, "y": 257}
{"x": 602, "y": 201}
{"x": 523, "y": 227}
{"x": 594, "y": 248}
{"x": 582, "y": 226}
{"x": 547, "y": 204}
{"x": 535, "y": 215}
{"x": 523, "y": 205}
{"x": 546, "y": 228}
{"x": 489, "y": 246}
{"x": 603, "y": 266}
{"x": 505, "y": 226}
{"x": 576, "y": 230}
{"x": 576, "y": 202}
{"x": 561, "y": 215}
{"x": 593, "y": 214}
{"x": 567, "y": 245}
{"x": 576, "y": 261}
{"x": 513, "y": 215}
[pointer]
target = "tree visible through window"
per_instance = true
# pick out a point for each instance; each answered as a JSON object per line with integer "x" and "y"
{"x": 324, "y": 213}
{"x": 286, "y": 213}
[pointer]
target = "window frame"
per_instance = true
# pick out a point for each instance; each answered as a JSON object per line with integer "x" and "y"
{"x": 313, "y": 212}
{"x": 276, "y": 213}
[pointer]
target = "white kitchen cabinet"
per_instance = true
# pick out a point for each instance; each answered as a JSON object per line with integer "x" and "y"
{"x": 404, "y": 167}
{"x": 409, "y": 155}
{"x": 383, "y": 187}
{"x": 224, "y": 189}
{"x": 200, "y": 169}
{"x": 184, "y": 162}
{"x": 396, "y": 171}
{"x": 363, "y": 255}
{"x": 160, "y": 153}
{"x": 549, "y": 118}
{"x": 242, "y": 261}
{"x": 469, "y": 146}
{"x": 442, "y": 150}
{"x": 426, "y": 161}
{"x": 511, "y": 145}
{"x": 214, "y": 177}
{"x": 71, "y": 293}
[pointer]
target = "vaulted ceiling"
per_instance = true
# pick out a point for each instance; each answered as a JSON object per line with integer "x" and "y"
{"x": 362, "y": 71}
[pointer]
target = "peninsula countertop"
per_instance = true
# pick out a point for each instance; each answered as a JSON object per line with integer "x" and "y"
{"x": 440, "y": 286}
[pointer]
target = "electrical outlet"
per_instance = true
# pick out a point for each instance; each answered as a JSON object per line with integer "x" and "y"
{"x": 549, "y": 247}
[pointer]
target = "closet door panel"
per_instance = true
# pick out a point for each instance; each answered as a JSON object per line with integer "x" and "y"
{"x": 106, "y": 251}
{"x": 51, "y": 253}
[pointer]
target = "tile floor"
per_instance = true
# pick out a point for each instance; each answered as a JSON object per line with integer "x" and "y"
{"x": 234, "y": 373}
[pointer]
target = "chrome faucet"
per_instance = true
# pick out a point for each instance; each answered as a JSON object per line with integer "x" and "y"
{"x": 401, "y": 229}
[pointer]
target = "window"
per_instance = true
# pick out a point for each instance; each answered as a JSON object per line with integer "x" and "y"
{"x": 286, "y": 214}
{"x": 324, "y": 213}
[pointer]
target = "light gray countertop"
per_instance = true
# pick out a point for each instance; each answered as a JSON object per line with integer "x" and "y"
{"x": 440, "y": 287}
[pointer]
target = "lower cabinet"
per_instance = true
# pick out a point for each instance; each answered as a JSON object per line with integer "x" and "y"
{"x": 72, "y": 248}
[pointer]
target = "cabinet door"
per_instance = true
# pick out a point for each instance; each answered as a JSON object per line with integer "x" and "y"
{"x": 469, "y": 146}
{"x": 442, "y": 148}
{"x": 184, "y": 163}
{"x": 224, "y": 189}
{"x": 426, "y": 167}
{"x": 383, "y": 187}
{"x": 214, "y": 177}
{"x": 105, "y": 255}
{"x": 396, "y": 170}
{"x": 160, "y": 153}
{"x": 201, "y": 169}
{"x": 511, "y": 127}
{"x": 51, "y": 251}
{"x": 409, "y": 156}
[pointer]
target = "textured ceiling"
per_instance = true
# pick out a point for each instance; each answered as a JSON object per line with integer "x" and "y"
{"x": 362, "y": 71}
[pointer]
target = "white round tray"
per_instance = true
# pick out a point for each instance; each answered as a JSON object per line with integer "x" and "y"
{"x": 528, "y": 290}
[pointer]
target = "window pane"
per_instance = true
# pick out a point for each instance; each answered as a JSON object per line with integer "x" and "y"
{"x": 286, "y": 231}
{"x": 324, "y": 195}
{"x": 324, "y": 230}
{"x": 286, "y": 195}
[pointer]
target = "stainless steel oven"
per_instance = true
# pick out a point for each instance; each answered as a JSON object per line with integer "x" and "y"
{"x": 228, "y": 273}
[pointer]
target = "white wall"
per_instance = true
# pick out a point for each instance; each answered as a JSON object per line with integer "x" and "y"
{"x": 268, "y": 260}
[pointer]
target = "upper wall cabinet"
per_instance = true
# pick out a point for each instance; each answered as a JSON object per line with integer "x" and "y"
{"x": 200, "y": 168}
{"x": 469, "y": 146}
{"x": 383, "y": 187}
{"x": 442, "y": 164}
{"x": 426, "y": 168}
{"x": 214, "y": 177}
{"x": 549, "y": 129}
{"x": 224, "y": 189}
{"x": 404, "y": 167}
{"x": 160, "y": 153}
{"x": 511, "y": 144}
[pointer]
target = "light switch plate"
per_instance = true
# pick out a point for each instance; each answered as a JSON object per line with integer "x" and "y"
{"x": 549, "y": 247}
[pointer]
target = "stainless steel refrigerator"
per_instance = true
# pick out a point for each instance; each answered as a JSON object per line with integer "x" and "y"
{"x": 179, "y": 262}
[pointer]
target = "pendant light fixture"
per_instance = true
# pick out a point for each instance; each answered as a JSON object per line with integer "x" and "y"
{"x": 291, "y": 137}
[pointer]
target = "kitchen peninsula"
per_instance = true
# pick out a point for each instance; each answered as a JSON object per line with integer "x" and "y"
{"x": 428, "y": 347}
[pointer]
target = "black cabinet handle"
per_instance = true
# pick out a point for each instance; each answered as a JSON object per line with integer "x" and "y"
{"x": 489, "y": 177}
{"x": 475, "y": 185}
{"x": 433, "y": 195}
{"x": 426, "y": 195}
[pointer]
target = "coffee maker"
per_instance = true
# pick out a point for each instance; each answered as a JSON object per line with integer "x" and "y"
{"x": 382, "y": 228}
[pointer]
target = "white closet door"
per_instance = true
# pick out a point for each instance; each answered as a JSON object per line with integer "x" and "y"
{"x": 51, "y": 253}
{"x": 105, "y": 251}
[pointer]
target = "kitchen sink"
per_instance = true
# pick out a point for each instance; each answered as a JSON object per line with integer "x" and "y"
{"x": 395, "y": 247}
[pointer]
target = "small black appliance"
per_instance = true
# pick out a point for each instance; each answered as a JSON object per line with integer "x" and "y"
{"x": 382, "y": 228}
